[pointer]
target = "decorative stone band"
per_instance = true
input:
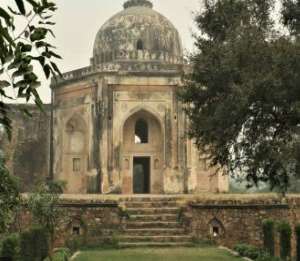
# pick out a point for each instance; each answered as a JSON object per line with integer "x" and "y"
{"x": 136, "y": 55}
{"x": 156, "y": 68}
{"x": 139, "y": 67}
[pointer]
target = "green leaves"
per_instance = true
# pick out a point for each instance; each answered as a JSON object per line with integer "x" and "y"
{"x": 4, "y": 84}
{"x": 243, "y": 94}
{"x": 291, "y": 15}
{"x": 9, "y": 196}
{"x": 5, "y": 16}
{"x": 19, "y": 54}
{"x": 38, "y": 34}
{"x": 43, "y": 204}
{"x": 21, "y": 6}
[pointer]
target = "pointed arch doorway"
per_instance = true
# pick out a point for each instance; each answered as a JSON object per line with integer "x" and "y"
{"x": 142, "y": 152}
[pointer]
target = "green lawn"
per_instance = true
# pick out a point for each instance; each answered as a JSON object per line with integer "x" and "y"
{"x": 158, "y": 254}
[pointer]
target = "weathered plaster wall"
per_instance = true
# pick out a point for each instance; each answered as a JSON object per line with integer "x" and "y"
{"x": 28, "y": 153}
{"x": 73, "y": 137}
{"x": 103, "y": 111}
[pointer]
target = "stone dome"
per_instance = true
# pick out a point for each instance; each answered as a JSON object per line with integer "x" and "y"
{"x": 137, "y": 34}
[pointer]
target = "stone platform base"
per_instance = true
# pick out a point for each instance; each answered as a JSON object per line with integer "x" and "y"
{"x": 174, "y": 220}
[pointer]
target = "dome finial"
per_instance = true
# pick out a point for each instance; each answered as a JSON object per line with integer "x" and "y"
{"x": 132, "y": 3}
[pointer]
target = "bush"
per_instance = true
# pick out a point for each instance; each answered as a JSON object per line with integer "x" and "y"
{"x": 75, "y": 243}
{"x": 268, "y": 232}
{"x": 298, "y": 242}
{"x": 34, "y": 245}
{"x": 265, "y": 256}
{"x": 285, "y": 233}
{"x": 249, "y": 251}
{"x": 10, "y": 247}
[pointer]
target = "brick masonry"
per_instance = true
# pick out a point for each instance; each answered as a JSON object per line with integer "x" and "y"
{"x": 240, "y": 218}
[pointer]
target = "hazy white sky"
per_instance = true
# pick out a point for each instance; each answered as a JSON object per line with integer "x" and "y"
{"x": 77, "y": 22}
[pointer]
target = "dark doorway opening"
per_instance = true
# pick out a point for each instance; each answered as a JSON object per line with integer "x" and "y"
{"x": 141, "y": 175}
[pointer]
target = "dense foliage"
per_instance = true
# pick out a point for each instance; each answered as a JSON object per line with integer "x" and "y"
{"x": 242, "y": 95}
{"x": 34, "y": 244}
{"x": 254, "y": 253}
{"x": 10, "y": 247}
{"x": 298, "y": 242}
{"x": 23, "y": 48}
{"x": 269, "y": 236}
{"x": 285, "y": 234}
{"x": 45, "y": 210}
{"x": 9, "y": 197}
{"x": 249, "y": 251}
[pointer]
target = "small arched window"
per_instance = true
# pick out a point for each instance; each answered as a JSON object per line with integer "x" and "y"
{"x": 216, "y": 228}
{"x": 141, "y": 132}
{"x": 140, "y": 45}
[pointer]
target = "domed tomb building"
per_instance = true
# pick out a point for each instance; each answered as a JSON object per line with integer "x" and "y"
{"x": 118, "y": 126}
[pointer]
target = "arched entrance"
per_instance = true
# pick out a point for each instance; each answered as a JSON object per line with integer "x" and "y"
{"x": 142, "y": 152}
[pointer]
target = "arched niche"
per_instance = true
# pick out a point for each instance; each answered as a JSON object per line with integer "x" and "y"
{"x": 75, "y": 130}
{"x": 142, "y": 129}
{"x": 75, "y": 145}
{"x": 216, "y": 228}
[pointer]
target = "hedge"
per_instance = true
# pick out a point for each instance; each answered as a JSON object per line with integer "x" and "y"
{"x": 285, "y": 233}
{"x": 34, "y": 245}
{"x": 269, "y": 235}
{"x": 246, "y": 250}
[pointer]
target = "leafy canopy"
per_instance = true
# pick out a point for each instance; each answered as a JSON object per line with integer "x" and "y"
{"x": 243, "y": 94}
{"x": 46, "y": 212}
{"x": 9, "y": 197}
{"x": 43, "y": 204}
{"x": 22, "y": 48}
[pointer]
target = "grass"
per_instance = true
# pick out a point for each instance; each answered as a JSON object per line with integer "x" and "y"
{"x": 158, "y": 254}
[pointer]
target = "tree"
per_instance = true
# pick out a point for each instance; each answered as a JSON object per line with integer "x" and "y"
{"x": 9, "y": 197}
{"x": 291, "y": 15}
{"x": 44, "y": 207}
{"x": 242, "y": 96}
{"x": 21, "y": 49}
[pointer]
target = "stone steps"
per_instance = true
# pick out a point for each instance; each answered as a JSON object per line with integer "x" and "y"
{"x": 155, "y": 239}
{"x": 150, "y": 224}
{"x": 154, "y": 217}
{"x": 155, "y": 204}
{"x": 154, "y": 231}
{"x": 154, "y": 244}
{"x": 153, "y": 223}
{"x": 152, "y": 198}
{"x": 149, "y": 211}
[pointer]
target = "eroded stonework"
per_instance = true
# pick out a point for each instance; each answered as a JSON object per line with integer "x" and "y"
{"x": 134, "y": 76}
{"x": 117, "y": 125}
{"x": 28, "y": 153}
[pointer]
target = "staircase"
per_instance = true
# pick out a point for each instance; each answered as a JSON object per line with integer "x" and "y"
{"x": 153, "y": 222}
